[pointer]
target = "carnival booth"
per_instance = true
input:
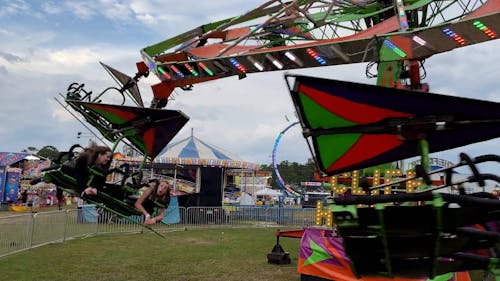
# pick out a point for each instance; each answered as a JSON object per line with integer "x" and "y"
{"x": 11, "y": 168}
{"x": 16, "y": 170}
{"x": 196, "y": 170}
{"x": 268, "y": 196}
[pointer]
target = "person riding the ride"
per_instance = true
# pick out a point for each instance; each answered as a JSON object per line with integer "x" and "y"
{"x": 154, "y": 201}
{"x": 91, "y": 168}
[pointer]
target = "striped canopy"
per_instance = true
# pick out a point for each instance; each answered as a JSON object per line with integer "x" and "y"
{"x": 193, "y": 151}
{"x": 9, "y": 158}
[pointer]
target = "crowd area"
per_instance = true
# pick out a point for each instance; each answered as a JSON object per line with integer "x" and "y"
{"x": 32, "y": 199}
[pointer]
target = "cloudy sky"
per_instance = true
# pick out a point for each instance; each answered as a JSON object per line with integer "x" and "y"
{"x": 46, "y": 45}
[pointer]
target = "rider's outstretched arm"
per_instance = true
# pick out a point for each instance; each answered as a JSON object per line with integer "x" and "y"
{"x": 138, "y": 205}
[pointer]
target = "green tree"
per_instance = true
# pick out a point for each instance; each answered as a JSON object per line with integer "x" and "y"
{"x": 30, "y": 149}
{"x": 292, "y": 173}
{"x": 49, "y": 152}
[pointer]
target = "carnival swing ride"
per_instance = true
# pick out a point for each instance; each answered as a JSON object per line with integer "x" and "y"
{"x": 348, "y": 126}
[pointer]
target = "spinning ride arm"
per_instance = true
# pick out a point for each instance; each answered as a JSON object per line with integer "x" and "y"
{"x": 302, "y": 34}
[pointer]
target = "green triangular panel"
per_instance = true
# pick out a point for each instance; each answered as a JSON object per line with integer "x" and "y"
{"x": 332, "y": 147}
{"x": 319, "y": 117}
{"x": 318, "y": 254}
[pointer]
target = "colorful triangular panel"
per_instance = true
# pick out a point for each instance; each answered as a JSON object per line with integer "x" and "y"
{"x": 354, "y": 126}
{"x": 322, "y": 254}
{"x": 122, "y": 80}
{"x": 148, "y": 129}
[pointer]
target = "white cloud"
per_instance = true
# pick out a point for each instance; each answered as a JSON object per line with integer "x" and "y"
{"x": 73, "y": 57}
{"x": 84, "y": 10}
{"x": 5, "y": 32}
{"x": 52, "y": 8}
{"x": 14, "y": 7}
{"x": 59, "y": 113}
{"x": 115, "y": 10}
{"x": 146, "y": 19}
{"x": 165, "y": 17}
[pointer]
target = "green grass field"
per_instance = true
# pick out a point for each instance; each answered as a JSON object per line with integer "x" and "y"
{"x": 201, "y": 254}
{"x": 193, "y": 254}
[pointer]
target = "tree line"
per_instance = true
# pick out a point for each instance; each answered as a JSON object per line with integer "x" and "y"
{"x": 292, "y": 173}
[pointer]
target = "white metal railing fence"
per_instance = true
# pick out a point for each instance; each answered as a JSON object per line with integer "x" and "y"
{"x": 26, "y": 231}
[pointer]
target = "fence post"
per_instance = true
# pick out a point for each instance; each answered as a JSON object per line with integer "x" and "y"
{"x": 65, "y": 224}
{"x": 96, "y": 220}
{"x": 32, "y": 230}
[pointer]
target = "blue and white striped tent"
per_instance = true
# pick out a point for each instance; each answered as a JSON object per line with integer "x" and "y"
{"x": 193, "y": 151}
